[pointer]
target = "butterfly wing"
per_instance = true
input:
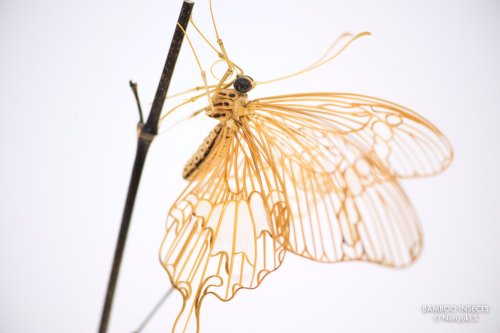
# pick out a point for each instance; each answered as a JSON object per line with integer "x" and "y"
{"x": 406, "y": 143}
{"x": 342, "y": 193}
{"x": 225, "y": 231}
{"x": 314, "y": 174}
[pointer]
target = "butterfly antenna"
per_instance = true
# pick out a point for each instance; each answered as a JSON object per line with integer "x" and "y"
{"x": 332, "y": 46}
{"x": 323, "y": 60}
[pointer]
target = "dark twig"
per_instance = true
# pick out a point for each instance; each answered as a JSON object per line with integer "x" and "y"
{"x": 133, "y": 86}
{"x": 147, "y": 132}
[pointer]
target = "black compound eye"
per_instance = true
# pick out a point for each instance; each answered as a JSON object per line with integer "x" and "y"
{"x": 243, "y": 84}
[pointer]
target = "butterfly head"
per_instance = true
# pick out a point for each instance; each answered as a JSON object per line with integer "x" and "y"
{"x": 243, "y": 84}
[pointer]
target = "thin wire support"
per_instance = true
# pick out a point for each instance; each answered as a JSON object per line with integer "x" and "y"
{"x": 154, "y": 310}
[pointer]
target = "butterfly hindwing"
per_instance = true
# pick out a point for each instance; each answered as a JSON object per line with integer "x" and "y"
{"x": 343, "y": 195}
{"x": 226, "y": 231}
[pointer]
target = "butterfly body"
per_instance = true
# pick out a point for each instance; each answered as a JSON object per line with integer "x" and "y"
{"x": 202, "y": 153}
{"x": 227, "y": 106}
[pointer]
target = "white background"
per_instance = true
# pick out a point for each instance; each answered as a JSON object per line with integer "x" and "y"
{"x": 67, "y": 124}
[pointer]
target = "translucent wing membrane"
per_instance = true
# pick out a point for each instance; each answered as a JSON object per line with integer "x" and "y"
{"x": 313, "y": 174}
{"x": 407, "y": 144}
{"x": 340, "y": 156}
{"x": 344, "y": 205}
{"x": 227, "y": 230}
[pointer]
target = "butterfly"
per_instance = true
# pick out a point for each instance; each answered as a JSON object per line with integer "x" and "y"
{"x": 311, "y": 174}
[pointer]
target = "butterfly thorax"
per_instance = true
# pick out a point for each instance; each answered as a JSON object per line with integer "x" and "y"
{"x": 229, "y": 106}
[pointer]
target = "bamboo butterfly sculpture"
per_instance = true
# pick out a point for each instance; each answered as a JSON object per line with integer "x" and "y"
{"x": 314, "y": 174}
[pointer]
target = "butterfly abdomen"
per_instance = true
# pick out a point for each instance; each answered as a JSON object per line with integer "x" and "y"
{"x": 202, "y": 153}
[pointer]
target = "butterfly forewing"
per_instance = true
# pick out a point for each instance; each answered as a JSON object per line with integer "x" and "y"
{"x": 406, "y": 143}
